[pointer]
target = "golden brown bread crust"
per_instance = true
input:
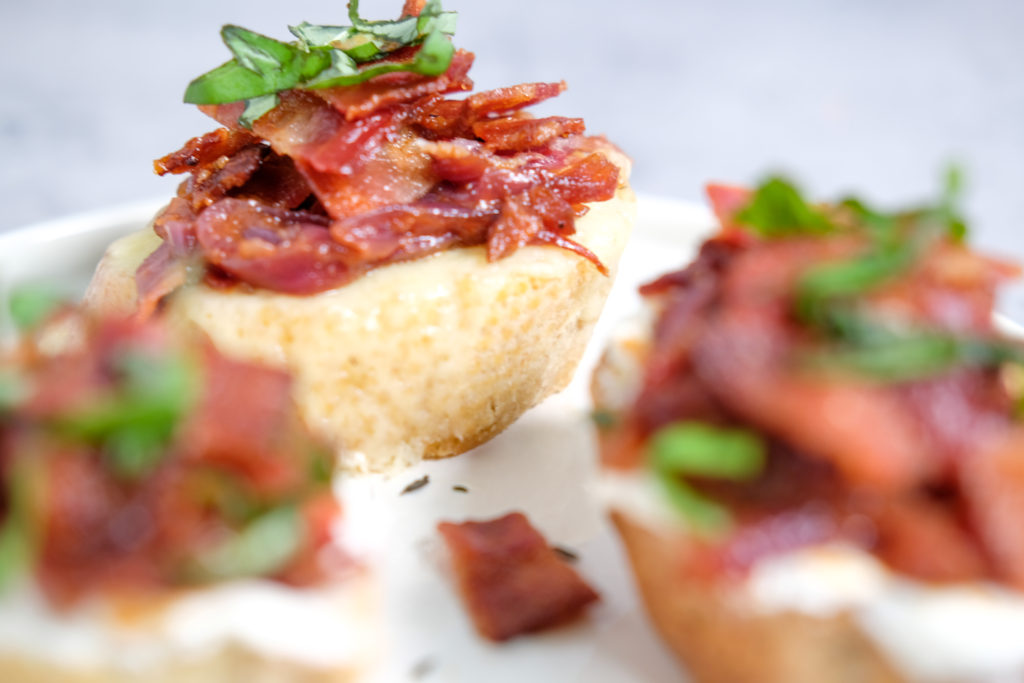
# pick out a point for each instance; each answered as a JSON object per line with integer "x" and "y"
{"x": 423, "y": 359}
{"x": 710, "y": 627}
{"x": 720, "y": 641}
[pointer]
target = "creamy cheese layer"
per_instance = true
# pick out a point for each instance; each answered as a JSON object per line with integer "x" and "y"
{"x": 933, "y": 633}
{"x": 324, "y": 628}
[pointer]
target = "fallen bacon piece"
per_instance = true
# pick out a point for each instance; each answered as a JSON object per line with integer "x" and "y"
{"x": 511, "y": 580}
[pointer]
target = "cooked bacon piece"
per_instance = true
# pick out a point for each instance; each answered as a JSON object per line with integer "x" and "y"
{"x": 358, "y": 101}
{"x": 727, "y": 201}
{"x": 204, "y": 150}
{"x": 214, "y": 181}
{"x": 744, "y": 363}
{"x": 352, "y": 166}
{"x": 288, "y": 251}
{"x": 159, "y": 274}
{"x": 925, "y": 539}
{"x": 276, "y": 183}
{"x": 588, "y": 179}
{"x": 412, "y": 8}
{"x": 993, "y": 486}
{"x": 510, "y": 579}
{"x": 521, "y": 134}
{"x": 242, "y": 423}
{"x": 503, "y": 101}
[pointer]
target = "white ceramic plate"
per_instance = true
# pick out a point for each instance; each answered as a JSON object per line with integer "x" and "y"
{"x": 544, "y": 466}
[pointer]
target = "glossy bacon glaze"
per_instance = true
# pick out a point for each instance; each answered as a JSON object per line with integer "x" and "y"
{"x": 334, "y": 182}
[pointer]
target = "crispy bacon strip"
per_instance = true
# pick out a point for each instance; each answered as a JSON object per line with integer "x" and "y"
{"x": 510, "y": 579}
{"x": 203, "y": 150}
{"x": 356, "y": 102}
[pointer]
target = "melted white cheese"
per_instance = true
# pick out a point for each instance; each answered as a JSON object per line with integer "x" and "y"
{"x": 327, "y": 627}
{"x": 932, "y": 633}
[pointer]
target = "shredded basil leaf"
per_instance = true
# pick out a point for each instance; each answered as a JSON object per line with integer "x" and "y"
{"x": 263, "y": 547}
{"x": 17, "y": 541}
{"x": 257, "y": 107}
{"x": 699, "y": 449}
{"x": 31, "y": 305}
{"x": 690, "y": 448}
{"x": 135, "y": 424}
{"x": 704, "y": 516}
{"x": 777, "y": 209}
{"x": 899, "y": 356}
{"x": 12, "y": 389}
{"x": 323, "y": 56}
{"x": 604, "y": 419}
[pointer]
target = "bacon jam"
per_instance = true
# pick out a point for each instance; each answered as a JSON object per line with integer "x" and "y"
{"x": 832, "y": 373}
{"x": 332, "y": 182}
{"x": 135, "y": 464}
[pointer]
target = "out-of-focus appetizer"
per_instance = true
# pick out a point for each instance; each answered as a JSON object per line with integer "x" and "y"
{"x": 814, "y": 451}
{"x": 165, "y": 516}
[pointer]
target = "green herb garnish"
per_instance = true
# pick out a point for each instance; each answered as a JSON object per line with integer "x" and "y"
{"x": 136, "y": 422}
{"x": 17, "y": 540}
{"x": 875, "y": 351}
{"x": 31, "y": 305}
{"x": 827, "y": 297}
{"x": 696, "y": 449}
{"x": 604, "y": 419}
{"x": 262, "y": 548}
{"x": 322, "y": 57}
{"x": 12, "y": 389}
{"x": 777, "y": 209}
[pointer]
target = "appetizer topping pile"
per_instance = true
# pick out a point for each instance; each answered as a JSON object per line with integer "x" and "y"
{"x": 832, "y": 373}
{"x": 511, "y": 580}
{"x": 340, "y": 153}
{"x": 134, "y": 463}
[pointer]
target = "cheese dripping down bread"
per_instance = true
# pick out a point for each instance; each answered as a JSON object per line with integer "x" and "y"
{"x": 428, "y": 268}
{"x": 812, "y": 448}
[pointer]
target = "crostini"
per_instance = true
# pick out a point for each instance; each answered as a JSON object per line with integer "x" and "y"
{"x": 813, "y": 448}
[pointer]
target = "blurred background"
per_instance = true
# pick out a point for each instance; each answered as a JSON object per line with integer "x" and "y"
{"x": 867, "y": 96}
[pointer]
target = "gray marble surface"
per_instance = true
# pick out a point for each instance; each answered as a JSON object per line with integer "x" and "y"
{"x": 870, "y": 96}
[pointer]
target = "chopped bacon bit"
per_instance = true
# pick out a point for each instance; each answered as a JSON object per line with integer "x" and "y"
{"x": 726, "y": 201}
{"x": 204, "y": 150}
{"x": 359, "y": 101}
{"x": 511, "y": 580}
{"x": 503, "y": 101}
{"x": 592, "y": 178}
{"x": 516, "y": 227}
{"x": 412, "y": 8}
{"x": 239, "y": 423}
{"x": 295, "y": 251}
{"x": 160, "y": 274}
{"x": 993, "y": 482}
{"x": 216, "y": 180}
{"x": 521, "y": 134}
